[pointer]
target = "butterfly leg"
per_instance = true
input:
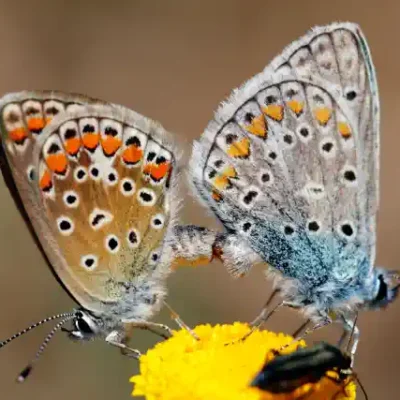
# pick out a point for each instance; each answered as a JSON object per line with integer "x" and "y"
{"x": 352, "y": 333}
{"x": 116, "y": 339}
{"x": 152, "y": 327}
{"x": 324, "y": 322}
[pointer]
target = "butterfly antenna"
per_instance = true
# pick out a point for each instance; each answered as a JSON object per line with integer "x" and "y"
{"x": 26, "y": 330}
{"x": 28, "y": 369}
{"x": 361, "y": 386}
{"x": 175, "y": 316}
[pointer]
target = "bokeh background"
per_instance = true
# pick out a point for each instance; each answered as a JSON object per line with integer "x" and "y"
{"x": 174, "y": 61}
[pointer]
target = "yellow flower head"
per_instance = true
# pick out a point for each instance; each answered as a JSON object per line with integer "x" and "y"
{"x": 183, "y": 368}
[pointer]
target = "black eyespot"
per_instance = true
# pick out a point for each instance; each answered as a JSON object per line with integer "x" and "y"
{"x": 127, "y": 186}
{"x": 70, "y": 133}
{"x": 246, "y": 226}
{"x": 285, "y": 265}
{"x": 71, "y": 199}
{"x": 160, "y": 160}
{"x": 212, "y": 174}
{"x": 270, "y": 100}
{"x": 266, "y": 177}
{"x": 110, "y": 131}
{"x": 157, "y": 221}
{"x": 97, "y": 219}
{"x": 327, "y": 147}
{"x": 290, "y": 93}
{"x": 54, "y": 148}
{"x": 288, "y": 139}
{"x": 304, "y": 132}
{"x": 88, "y": 128}
{"x": 83, "y": 326}
{"x": 154, "y": 256}
{"x": 151, "y": 156}
{"x": 146, "y": 197}
{"x": 111, "y": 177}
{"x": 318, "y": 98}
{"x": 218, "y": 163}
{"x": 288, "y": 230}
{"x": 112, "y": 243}
{"x": 95, "y": 172}
{"x": 272, "y": 155}
{"x": 81, "y": 174}
{"x": 249, "y": 117}
{"x": 230, "y": 138}
{"x": 51, "y": 111}
{"x": 313, "y": 226}
{"x": 351, "y": 95}
{"x": 132, "y": 237}
{"x": 250, "y": 196}
{"x": 350, "y": 176}
{"x": 31, "y": 174}
{"x": 133, "y": 141}
{"x": 65, "y": 225}
{"x": 347, "y": 229}
{"x": 89, "y": 262}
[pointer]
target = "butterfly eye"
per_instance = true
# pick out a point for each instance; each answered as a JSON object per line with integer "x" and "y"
{"x": 83, "y": 326}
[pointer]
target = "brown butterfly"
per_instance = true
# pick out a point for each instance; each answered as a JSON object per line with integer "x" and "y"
{"x": 97, "y": 185}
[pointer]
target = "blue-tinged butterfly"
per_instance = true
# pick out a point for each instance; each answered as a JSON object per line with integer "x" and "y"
{"x": 97, "y": 185}
{"x": 290, "y": 165}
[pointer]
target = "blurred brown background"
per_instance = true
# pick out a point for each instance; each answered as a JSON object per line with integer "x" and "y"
{"x": 174, "y": 61}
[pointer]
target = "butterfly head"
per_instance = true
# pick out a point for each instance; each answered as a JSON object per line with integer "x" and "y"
{"x": 387, "y": 289}
{"x": 86, "y": 326}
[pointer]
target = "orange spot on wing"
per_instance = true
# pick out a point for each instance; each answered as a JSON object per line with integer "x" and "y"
{"x": 344, "y": 129}
{"x": 322, "y": 115}
{"x": 230, "y": 172}
{"x": 274, "y": 111}
{"x": 90, "y": 140}
{"x": 36, "y": 124}
{"x": 296, "y": 106}
{"x": 45, "y": 181}
{"x": 240, "y": 149}
{"x": 216, "y": 196}
{"x": 110, "y": 145}
{"x": 258, "y": 126}
{"x": 18, "y": 135}
{"x": 132, "y": 154}
{"x": 156, "y": 171}
{"x": 57, "y": 162}
{"x": 73, "y": 145}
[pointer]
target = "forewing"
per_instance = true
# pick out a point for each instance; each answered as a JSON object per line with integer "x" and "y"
{"x": 290, "y": 161}
{"x": 23, "y": 117}
{"x": 103, "y": 190}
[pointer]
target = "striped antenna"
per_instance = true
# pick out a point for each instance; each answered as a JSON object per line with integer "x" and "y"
{"x": 26, "y": 330}
{"x": 28, "y": 369}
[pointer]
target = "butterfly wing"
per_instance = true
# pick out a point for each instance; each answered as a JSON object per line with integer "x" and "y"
{"x": 290, "y": 161}
{"x": 101, "y": 200}
{"x": 23, "y": 117}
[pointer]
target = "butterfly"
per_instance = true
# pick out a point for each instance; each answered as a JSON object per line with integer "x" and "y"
{"x": 97, "y": 186}
{"x": 287, "y": 372}
{"x": 290, "y": 166}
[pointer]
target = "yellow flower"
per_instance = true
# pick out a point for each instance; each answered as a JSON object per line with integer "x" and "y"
{"x": 183, "y": 368}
